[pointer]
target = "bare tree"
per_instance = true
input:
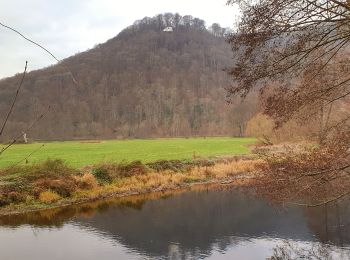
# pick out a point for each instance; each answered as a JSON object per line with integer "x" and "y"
{"x": 278, "y": 40}
{"x": 301, "y": 47}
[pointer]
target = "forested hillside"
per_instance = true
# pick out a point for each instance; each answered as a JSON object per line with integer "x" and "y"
{"x": 143, "y": 83}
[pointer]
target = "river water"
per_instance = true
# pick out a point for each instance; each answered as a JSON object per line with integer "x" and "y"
{"x": 198, "y": 224}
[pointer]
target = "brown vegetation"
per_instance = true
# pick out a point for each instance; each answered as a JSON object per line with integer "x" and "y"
{"x": 142, "y": 83}
{"x": 295, "y": 53}
{"x": 49, "y": 196}
{"x": 306, "y": 175}
{"x": 53, "y": 183}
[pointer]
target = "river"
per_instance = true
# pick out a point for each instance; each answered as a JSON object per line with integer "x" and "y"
{"x": 202, "y": 223}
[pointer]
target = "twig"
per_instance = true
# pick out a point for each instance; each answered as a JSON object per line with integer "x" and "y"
{"x": 312, "y": 174}
{"x": 324, "y": 202}
{"x": 39, "y": 45}
{"x": 29, "y": 155}
{"x": 29, "y": 40}
{"x": 26, "y": 130}
{"x": 14, "y": 99}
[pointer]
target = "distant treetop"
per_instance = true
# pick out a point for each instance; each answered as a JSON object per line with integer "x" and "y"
{"x": 177, "y": 22}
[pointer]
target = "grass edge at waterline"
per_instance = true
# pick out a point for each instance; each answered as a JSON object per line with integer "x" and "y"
{"x": 54, "y": 184}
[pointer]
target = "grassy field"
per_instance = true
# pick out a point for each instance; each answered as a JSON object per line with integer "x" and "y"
{"x": 78, "y": 154}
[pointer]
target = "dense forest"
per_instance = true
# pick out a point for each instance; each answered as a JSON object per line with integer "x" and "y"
{"x": 145, "y": 82}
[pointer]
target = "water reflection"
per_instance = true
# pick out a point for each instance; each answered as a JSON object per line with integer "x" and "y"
{"x": 225, "y": 224}
{"x": 288, "y": 250}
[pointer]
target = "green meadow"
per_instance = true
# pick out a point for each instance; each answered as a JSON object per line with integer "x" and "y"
{"x": 83, "y": 153}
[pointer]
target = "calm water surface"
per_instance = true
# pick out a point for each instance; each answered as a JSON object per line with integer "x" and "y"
{"x": 198, "y": 224}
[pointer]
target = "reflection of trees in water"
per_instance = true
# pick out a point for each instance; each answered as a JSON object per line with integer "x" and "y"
{"x": 57, "y": 217}
{"x": 191, "y": 225}
{"x": 289, "y": 250}
{"x": 330, "y": 223}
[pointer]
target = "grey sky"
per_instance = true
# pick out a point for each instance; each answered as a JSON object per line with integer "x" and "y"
{"x": 69, "y": 26}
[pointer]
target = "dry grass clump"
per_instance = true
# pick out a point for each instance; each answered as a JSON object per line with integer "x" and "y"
{"x": 231, "y": 168}
{"x": 87, "y": 181}
{"x": 49, "y": 196}
{"x": 171, "y": 179}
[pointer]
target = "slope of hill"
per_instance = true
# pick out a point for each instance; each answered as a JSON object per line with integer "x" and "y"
{"x": 143, "y": 83}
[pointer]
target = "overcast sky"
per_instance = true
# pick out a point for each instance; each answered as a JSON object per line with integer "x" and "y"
{"x": 66, "y": 27}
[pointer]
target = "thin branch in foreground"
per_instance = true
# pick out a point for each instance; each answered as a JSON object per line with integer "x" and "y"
{"x": 14, "y": 99}
{"x": 39, "y": 45}
{"x": 29, "y": 40}
{"x": 26, "y": 130}
{"x": 324, "y": 202}
{"x": 28, "y": 156}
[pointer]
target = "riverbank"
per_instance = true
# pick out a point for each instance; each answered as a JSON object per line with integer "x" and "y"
{"x": 53, "y": 184}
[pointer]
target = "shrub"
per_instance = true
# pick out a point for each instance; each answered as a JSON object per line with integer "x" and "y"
{"x": 64, "y": 187}
{"x": 178, "y": 165}
{"x": 101, "y": 174}
{"x": 48, "y": 169}
{"x": 29, "y": 199}
{"x": 203, "y": 163}
{"x": 17, "y": 183}
{"x": 172, "y": 165}
{"x": 49, "y": 196}
{"x": 87, "y": 181}
{"x": 53, "y": 165}
{"x": 36, "y": 192}
{"x": 107, "y": 172}
{"x": 9, "y": 187}
{"x": 4, "y": 201}
{"x": 132, "y": 169}
{"x": 15, "y": 197}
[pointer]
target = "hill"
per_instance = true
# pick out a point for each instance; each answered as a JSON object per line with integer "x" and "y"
{"x": 145, "y": 82}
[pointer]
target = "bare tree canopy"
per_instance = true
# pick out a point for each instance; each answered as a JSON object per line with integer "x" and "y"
{"x": 292, "y": 43}
{"x": 296, "y": 52}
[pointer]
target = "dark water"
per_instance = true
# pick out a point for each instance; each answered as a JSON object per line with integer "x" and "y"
{"x": 213, "y": 224}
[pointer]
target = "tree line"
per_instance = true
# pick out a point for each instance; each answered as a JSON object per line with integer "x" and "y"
{"x": 142, "y": 83}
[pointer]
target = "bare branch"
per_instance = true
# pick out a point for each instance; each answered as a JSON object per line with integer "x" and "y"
{"x": 40, "y": 46}
{"x": 28, "y": 156}
{"x": 14, "y": 140}
{"x": 14, "y": 100}
{"x": 29, "y": 40}
{"x": 324, "y": 202}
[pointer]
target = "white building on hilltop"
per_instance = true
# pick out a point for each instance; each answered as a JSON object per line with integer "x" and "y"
{"x": 168, "y": 29}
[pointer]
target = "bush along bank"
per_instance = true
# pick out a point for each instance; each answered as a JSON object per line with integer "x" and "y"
{"x": 53, "y": 183}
